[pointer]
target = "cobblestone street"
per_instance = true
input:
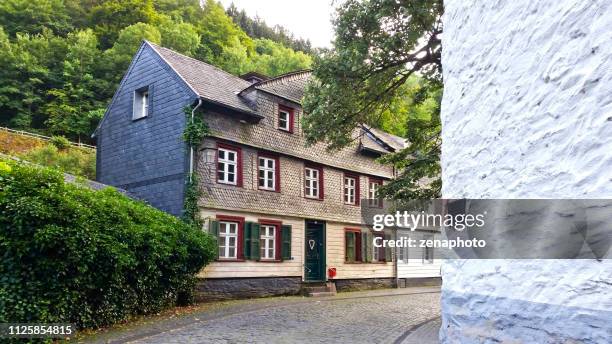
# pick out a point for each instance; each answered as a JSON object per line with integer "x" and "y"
{"x": 385, "y": 316}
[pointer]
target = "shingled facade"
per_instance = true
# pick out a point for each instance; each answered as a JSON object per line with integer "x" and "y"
{"x": 284, "y": 213}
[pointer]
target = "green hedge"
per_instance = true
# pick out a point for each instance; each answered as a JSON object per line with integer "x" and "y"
{"x": 72, "y": 254}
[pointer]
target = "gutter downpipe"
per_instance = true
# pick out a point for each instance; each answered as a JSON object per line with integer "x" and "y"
{"x": 191, "y": 150}
{"x": 396, "y": 264}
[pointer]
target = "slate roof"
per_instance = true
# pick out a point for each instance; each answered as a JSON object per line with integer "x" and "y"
{"x": 207, "y": 81}
{"x": 289, "y": 86}
{"x": 220, "y": 87}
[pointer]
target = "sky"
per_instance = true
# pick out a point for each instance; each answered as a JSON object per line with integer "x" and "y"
{"x": 309, "y": 19}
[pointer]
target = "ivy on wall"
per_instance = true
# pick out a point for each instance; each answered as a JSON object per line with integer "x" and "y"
{"x": 195, "y": 131}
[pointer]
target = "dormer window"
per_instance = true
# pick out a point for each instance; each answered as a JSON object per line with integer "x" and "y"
{"x": 141, "y": 103}
{"x": 285, "y": 118}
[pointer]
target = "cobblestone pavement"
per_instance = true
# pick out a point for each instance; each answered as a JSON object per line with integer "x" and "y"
{"x": 392, "y": 316}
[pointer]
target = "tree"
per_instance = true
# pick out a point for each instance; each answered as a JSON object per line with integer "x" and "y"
{"x": 274, "y": 59}
{"x": 220, "y": 35}
{"x": 380, "y": 46}
{"x": 27, "y": 16}
{"x": 112, "y": 16}
{"x": 71, "y": 108}
{"x": 181, "y": 37}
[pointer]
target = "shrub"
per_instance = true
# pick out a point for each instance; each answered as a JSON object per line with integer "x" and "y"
{"x": 80, "y": 162}
{"x": 72, "y": 254}
{"x": 60, "y": 142}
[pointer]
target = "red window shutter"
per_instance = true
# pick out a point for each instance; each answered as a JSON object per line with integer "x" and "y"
{"x": 358, "y": 246}
{"x": 321, "y": 184}
{"x": 239, "y": 167}
{"x": 277, "y": 174}
{"x": 291, "y": 120}
{"x": 357, "y": 190}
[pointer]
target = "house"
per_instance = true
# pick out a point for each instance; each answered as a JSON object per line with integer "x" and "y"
{"x": 284, "y": 213}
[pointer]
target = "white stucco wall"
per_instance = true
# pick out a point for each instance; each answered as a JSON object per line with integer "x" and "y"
{"x": 527, "y": 113}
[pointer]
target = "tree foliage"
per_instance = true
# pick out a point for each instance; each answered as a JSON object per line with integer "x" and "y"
{"x": 63, "y": 59}
{"x": 257, "y": 28}
{"x": 384, "y": 68}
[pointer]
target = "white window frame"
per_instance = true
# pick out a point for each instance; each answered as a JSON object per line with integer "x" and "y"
{"x": 145, "y": 103}
{"x": 224, "y": 173}
{"x": 376, "y": 252}
{"x": 225, "y": 236}
{"x": 402, "y": 252}
{"x": 140, "y": 108}
{"x": 267, "y": 242}
{"x": 373, "y": 187}
{"x": 287, "y": 120}
{"x": 350, "y": 191}
{"x": 312, "y": 188}
{"x": 426, "y": 249}
{"x": 269, "y": 173}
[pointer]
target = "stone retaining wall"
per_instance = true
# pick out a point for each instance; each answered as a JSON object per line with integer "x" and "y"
{"x": 215, "y": 289}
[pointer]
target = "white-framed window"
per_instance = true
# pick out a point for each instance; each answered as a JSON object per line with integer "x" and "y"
{"x": 378, "y": 253}
{"x": 350, "y": 190}
{"x": 141, "y": 103}
{"x": 267, "y": 173}
{"x": 267, "y": 243}
{"x": 311, "y": 182}
{"x": 428, "y": 251}
{"x": 227, "y": 166}
{"x": 284, "y": 120}
{"x": 373, "y": 187}
{"x": 402, "y": 253}
{"x": 228, "y": 240}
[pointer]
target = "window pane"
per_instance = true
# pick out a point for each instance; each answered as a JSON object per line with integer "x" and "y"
{"x": 221, "y": 154}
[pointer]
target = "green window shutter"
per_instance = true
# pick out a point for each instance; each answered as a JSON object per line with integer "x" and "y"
{"x": 214, "y": 230}
{"x": 388, "y": 250}
{"x": 246, "y": 240}
{"x": 286, "y": 242}
{"x": 349, "y": 246}
{"x": 255, "y": 238}
{"x": 364, "y": 248}
{"x": 368, "y": 239}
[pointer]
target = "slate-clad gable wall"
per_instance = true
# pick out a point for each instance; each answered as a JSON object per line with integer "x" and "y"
{"x": 147, "y": 157}
{"x": 264, "y": 136}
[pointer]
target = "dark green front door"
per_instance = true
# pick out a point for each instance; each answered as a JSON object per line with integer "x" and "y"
{"x": 314, "y": 265}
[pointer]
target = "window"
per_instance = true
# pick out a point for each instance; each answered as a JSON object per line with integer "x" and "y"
{"x": 141, "y": 103}
{"x": 267, "y": 243}
{"x": 228, "y": 240}
{"x": 229, "y": 165}
{"x": 373, "y": 186}
{"x": 285, "y": 118}
{"x": 352, "y": 245}
{"x": 402, "y": 252}
{"x": 351, "y": 189}
{"x": 268, "y": 173}
{"x": 378, "y": 253}
{"x": 313, "y": 182}
{"x": 428, "y": 251}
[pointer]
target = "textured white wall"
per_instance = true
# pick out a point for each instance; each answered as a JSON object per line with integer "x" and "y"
{"x": 527, "y": 113}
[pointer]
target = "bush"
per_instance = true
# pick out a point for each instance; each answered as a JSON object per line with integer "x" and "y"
{"x": 60, "y": 142}
{"x": 77, "y": 161}
{"x": 93, "y": 258}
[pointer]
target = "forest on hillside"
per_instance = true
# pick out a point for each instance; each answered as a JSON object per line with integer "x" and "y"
{"x": 61, "y": 60}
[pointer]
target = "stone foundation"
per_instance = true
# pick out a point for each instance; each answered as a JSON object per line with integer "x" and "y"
{"x": 420, "y": 282}
{"x": 215, "y": 289}
{"x": 343, "y": 285}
